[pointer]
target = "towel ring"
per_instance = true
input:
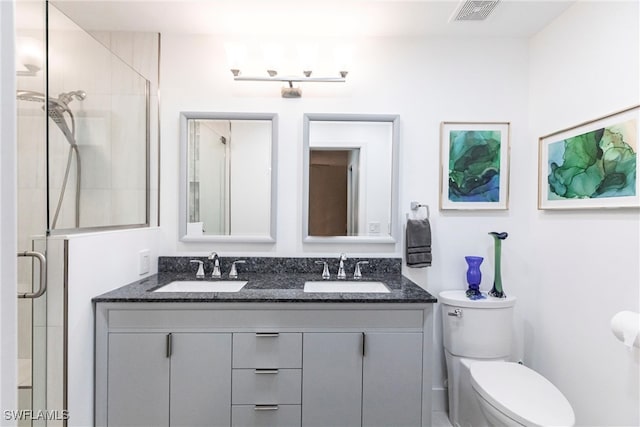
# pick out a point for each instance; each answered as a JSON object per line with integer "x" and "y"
{"x": 417, "y": 205}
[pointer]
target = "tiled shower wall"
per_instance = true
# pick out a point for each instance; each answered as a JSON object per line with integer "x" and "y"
{"x": 111, "y": 129}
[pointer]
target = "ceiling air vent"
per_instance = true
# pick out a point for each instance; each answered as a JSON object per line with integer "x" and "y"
{"x": 474, "y": 10}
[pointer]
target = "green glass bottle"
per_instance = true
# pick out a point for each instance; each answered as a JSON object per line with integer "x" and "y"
{"x": 497, "y": 291}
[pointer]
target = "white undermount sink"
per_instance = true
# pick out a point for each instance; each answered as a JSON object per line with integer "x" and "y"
{"x": 203, "y": 286}
{"x": 344, "y": 286}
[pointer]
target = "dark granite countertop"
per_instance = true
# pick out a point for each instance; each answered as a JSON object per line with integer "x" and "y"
{"x": 268, "y": 288}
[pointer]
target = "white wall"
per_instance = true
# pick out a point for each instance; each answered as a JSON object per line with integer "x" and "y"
{"x": 425, "y": 81}
{"x": 8, "y": 223}
{"x": 584, "y": 65}
{"x": 98, "y": 263}
{"x": 250, "y": 177}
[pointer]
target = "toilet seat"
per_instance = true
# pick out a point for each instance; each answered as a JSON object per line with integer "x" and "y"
{"x": 521, "y": 394}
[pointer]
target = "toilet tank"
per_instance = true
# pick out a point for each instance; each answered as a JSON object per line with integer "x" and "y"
{"x": 476, "y": 328}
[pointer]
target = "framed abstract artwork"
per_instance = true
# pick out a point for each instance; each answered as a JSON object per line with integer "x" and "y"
{"x": 474, "y": 165}
{"x": 592, "y": 165}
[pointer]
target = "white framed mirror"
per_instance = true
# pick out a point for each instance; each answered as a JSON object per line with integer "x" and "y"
{"x": 350, "y": 178}
{"x": 228, "y": 177}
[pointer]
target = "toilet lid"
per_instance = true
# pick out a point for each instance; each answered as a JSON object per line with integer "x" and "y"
{"x": 521, "y": 393}
{"x": 459, "y": 298}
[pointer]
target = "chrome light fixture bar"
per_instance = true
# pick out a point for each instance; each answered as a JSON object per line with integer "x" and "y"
{"x": 291, "y": 91}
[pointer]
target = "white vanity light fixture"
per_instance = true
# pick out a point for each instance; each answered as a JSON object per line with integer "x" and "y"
{"x": 273, "y": 56}
{"x": 29, "y": 55}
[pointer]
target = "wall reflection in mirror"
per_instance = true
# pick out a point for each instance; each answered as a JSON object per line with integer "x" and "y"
{"x": 229, "y": 172}
{"x": 349, "y": 171}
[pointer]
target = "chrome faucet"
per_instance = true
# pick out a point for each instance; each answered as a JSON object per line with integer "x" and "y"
{"x": 216, "y": 265}
{"x": 341, "y": 273}
{"x": 233, "y": 273}
{"x": 325, "y": 270}
{"x": 200, "y": 273}
{"x": 357, "y": 274}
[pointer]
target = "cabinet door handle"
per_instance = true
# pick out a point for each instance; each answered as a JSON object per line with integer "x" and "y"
{"x": 169, "y": 345}
{"x": 266, "y": 371}
{"x": 267, "y": 334}
{"x": 265, "y": 408}
{"x": 364, "y": 341}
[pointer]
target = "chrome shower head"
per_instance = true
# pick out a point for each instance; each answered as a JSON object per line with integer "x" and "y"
{"x": 57, "y": 107}
{"x": 56, "y": 113}
{"x": 67, "y": 97}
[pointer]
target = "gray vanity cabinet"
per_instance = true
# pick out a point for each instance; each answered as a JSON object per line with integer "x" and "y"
{"x": 138, "y": 377}
{"x": 392, "y": 379}
{"x": 175, "y": 379}
{"x": 332, "y": 379}
{"x": 362, "y": 379}
{"x": 268, "y": 365}
{"x": 200, "y": 392}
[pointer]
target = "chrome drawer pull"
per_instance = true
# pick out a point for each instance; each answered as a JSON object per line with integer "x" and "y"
{"x": 265, "y": 408}
{"x": 266, "y": 371}
{"x": 267, "y": 334}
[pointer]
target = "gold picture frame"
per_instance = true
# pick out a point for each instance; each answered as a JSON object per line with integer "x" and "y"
{"x": 592, "y": 165}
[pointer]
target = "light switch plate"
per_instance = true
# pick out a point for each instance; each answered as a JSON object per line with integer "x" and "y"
{"x": 144, "y": 261}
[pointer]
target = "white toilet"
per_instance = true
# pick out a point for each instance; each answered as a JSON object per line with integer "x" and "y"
{"x": 484, "y": 388}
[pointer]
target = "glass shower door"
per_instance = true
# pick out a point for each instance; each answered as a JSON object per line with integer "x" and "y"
{"x": 32, "y": 125}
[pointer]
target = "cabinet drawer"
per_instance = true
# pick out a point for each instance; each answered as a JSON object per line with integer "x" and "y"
{"x": 267, "y": 350}
{"x": 266, "y": 415}
{"x": 251, "y": 386}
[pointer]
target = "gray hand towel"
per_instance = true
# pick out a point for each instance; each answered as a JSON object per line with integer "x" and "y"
{"x": 418, "y": 243}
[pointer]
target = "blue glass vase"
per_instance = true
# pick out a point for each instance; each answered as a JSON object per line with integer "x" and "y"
{"x": 474, "y": 277}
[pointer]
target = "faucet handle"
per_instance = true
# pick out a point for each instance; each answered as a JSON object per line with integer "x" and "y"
{"x": 233, "y": 273}
{"x": 357, "y": 274}
{"x": 325, "y": 270}
{"x": 200, "y": 273}
{"x": 341, "y": 273}
{"x": 215, "y": 273}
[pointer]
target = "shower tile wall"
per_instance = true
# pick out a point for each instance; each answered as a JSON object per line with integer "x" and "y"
{"x": 140, "y": 50}
{"x": 111, "y": 124}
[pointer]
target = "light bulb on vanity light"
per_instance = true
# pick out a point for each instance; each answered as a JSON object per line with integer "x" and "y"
{"x": 236, "y": 57}
{"x": 272, "y": 54}
{"x": 29, "y": 55}
{"x": 343, "y": 59}
{"x": 307, "y": 57}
